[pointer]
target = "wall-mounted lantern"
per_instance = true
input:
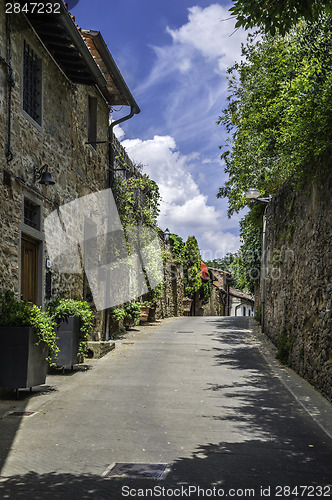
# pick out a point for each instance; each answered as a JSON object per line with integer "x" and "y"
{"x": 43, "y": 175}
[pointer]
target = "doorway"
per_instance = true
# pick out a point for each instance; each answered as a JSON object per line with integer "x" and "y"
{"x": 29, "y": 269}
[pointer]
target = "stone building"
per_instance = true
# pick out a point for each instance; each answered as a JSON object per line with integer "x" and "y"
{"x": 58, "y": 85}
{"x": 219, "y": 303}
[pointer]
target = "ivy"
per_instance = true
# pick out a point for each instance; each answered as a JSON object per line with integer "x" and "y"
{"x": 137, "y": 200}
{"x": 177, "y": 246}
{"x": 62, "y": 308}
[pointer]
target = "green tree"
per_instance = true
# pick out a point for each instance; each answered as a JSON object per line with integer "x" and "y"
{"x": 224, "y": 264}
{"x": 192, "y": 265}
{"x": 279, "y": 114}
{"x": 277, "y": 16}
{"x": 192, "y": 271}
{"x": 279, "y": 120}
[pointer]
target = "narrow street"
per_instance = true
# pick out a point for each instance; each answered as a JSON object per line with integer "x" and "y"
{"x": 201, "y": 394}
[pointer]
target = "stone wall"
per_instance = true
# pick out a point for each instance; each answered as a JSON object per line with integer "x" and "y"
{"x": 60, "y": 141}
{"x": 215, "y": 305}
{"x": 298, "y": 296}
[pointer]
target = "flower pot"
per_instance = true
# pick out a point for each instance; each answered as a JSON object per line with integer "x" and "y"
{"x": 152, "y": 314}
{"x": 68, "y": 340}
{"x": 22, "y": 363}
{"x": 187, "y": 304}
{"x": 114, "y": 326}
{"x": 128, "y": 323}
{"x": 144, "y": 313}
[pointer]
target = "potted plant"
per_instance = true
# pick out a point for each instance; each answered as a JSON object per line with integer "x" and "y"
{"x": 117, "y": 314}
{"x": 133, "y": 312}
{"x": 73, "y": 326}
{"x": 144, "y": 309}
{"x": 27, "y": 343}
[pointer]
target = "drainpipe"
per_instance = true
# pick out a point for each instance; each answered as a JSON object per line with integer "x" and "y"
{"x": 11, "y": 85}
{"x": 133, "y": 111}
{"x": 111, "y": 156}
{"x": 263, "y": 269}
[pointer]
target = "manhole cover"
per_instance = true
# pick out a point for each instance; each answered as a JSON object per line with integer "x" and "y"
{"x": 21, "y": 413}
{"x": 184, "y": 331}
{"x": 136, "y": 471}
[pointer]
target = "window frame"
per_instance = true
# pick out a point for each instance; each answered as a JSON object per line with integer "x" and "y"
{"x": 37, "y": 121}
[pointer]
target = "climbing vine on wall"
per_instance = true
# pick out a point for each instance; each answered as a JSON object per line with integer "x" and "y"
{"x": 138, "y": 200}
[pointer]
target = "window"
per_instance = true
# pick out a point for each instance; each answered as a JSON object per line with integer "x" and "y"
{"x": 92, "y": 121}
{"x": 32, "y": 88}
{"x": 31, "y": 214}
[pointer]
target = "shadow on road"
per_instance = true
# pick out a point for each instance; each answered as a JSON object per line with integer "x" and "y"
{"x": 273, "y": 443}
{"x": 227, "y": 466}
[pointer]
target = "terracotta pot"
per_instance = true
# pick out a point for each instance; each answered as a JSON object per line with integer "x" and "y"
{"x": 187, "y": 304}
{"x": 144, "y": 313}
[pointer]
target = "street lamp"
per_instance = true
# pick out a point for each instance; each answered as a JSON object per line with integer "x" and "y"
{"x": 253, "y": 194}
{"x": 167, "y": 235}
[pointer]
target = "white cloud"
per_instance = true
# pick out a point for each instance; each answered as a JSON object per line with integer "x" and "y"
{"x": 184, "y": 209}
{"x": 188, "y": 86}
{"x": 119, "y": 132}
{"x": 211, "y": 33}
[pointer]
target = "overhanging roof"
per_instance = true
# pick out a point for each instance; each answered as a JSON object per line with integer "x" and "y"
{"x": 116, "y": 90}
{"x": 69, "y": 47}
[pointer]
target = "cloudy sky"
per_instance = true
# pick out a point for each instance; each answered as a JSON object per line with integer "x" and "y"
{"x": 174, "y": 55}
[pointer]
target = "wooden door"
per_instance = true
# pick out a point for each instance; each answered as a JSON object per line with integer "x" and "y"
{"x": 29, "y": 269}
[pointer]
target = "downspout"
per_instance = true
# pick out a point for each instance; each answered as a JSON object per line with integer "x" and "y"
{"x": 111, "y": 156}
{"x": 237, "y": 307}
{"x": 111, "y": 152}
{"x": 11, "y": 85}
{"x": 263, "y": 270}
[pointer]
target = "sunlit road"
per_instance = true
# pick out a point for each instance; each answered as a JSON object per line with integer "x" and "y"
{"x": 196, "y": 394}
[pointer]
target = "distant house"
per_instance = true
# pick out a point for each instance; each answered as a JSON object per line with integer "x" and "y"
{"x": 219, "y": 303}
{"x": 58, "y": 86}
{"x": 241, "y": 303}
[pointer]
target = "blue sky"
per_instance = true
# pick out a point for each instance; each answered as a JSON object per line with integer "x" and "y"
{"x": 174, "y": 55}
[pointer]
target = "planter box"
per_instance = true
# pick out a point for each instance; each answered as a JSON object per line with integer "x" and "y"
{"x": 187, "y": 304}
{"x": 128, "y": 323}
{"x": 22, "y": 363}
{"x": 144, "y": 313}
{"x": 152, "y": 314}
{"x": 68, "y": 339}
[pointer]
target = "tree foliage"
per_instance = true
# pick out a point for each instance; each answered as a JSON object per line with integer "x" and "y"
{"x": 279, "y": 115}
{"x": 277, "y": 16}
{"x": 279, "y": 120}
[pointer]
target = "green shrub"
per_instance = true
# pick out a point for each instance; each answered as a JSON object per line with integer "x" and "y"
{"x": 284, "y": 346}
{"x": 133, "y": 310}
{"x": 22, "y": 313}
{"x": 62, "y": 308}
{"x": 258, "y": 314}
{"x": 118, "y": 314}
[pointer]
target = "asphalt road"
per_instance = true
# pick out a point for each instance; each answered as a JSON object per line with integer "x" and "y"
{"x": 200, "y": 399}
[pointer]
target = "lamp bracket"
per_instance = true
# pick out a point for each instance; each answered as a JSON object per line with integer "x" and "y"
{"x": 38, "y": 172}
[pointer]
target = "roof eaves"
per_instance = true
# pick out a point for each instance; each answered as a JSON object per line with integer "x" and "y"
{"x": 46, "y": 25}
{"x": 112, "y": 68}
